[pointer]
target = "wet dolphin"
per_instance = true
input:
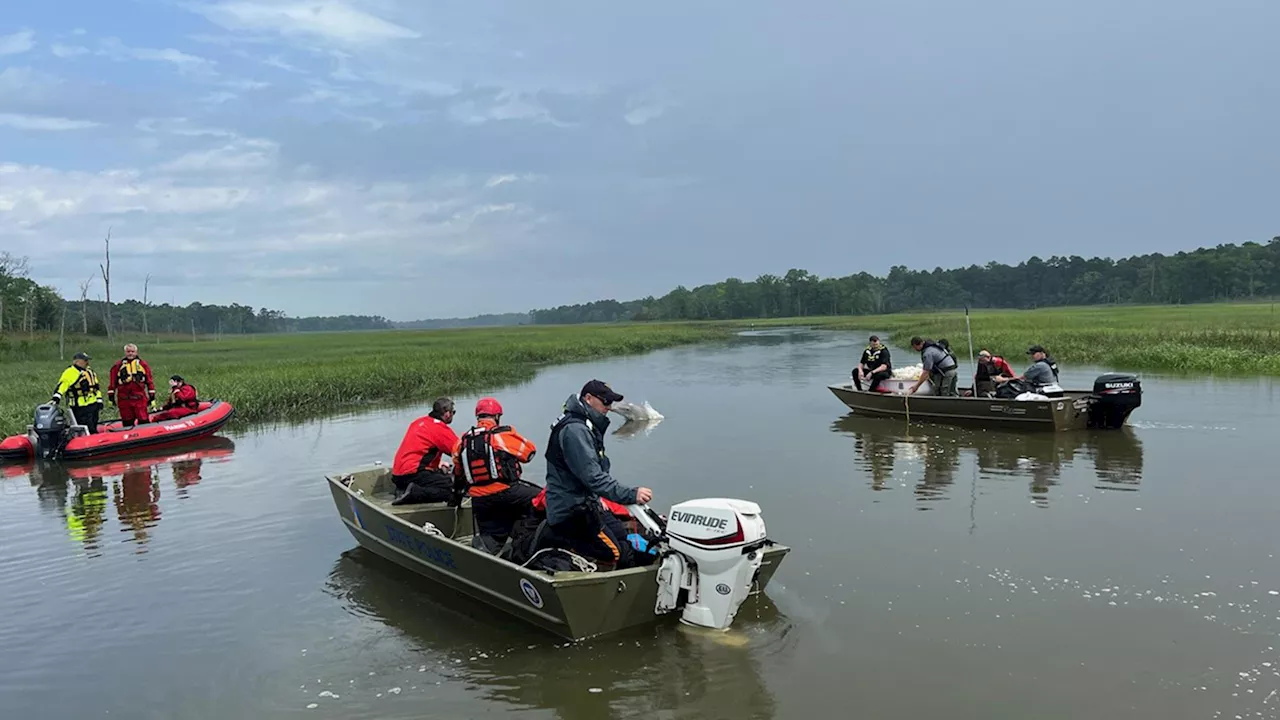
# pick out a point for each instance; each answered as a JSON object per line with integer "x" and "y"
{"x": 637, "y": 413}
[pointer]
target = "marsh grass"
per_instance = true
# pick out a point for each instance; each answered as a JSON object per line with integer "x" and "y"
{"x": 301, "y": 376}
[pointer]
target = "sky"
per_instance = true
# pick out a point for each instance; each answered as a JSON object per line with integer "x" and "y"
{"x": 427, "y": 158}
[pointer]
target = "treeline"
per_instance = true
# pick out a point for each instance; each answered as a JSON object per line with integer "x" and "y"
{"x": 26, "y": 306}
{"x": 1225, "y": 272}
{"x": 488, "y": 320}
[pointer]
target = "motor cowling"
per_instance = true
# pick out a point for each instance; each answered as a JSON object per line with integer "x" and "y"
{"x": 50, "y": 427}
{"x": 717, "y": 548}
{"x": 1115, "y": 396}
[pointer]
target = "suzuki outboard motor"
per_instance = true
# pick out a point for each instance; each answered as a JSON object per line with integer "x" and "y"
{"x": 1115, "y": 395}
{"x": 717, "y": 546}
{"x": 50, "y": 428}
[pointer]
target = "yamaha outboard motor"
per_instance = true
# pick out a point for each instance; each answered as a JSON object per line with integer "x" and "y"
{"x": 51, "y": 430}
{"x": 1115, "y": 395}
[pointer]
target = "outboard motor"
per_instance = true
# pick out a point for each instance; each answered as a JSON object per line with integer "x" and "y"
{"x": 716, "y": 548}
{"x": 50, "y": 429}
{"x": 1115, "y": 395}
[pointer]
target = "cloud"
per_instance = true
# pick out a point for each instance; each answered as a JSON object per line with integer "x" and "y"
{"x": 42, "y": 122}
{"x": 241, "y": 155}
{"x": 324, "y": 19}
{"x": 17, "y": 43}
{"x": 232, "y": 212}
{"x": 116, "y": 50}
{"x": 67, "y": 51}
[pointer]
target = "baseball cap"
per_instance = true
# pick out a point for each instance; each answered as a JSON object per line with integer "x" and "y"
{"x": 601, "y": 390}
{"x": 874, "y": 338}
{"x": 81, "y": 356}
{"x": 1035, "y": 349}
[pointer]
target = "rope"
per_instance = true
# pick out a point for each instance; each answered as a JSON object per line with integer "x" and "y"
{"x": 583, "y": 564}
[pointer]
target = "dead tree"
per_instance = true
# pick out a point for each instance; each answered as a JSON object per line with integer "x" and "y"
{"x": 84, "y": 305}
{"x": 145, "y": 285}
{"x": 106, "y": 279}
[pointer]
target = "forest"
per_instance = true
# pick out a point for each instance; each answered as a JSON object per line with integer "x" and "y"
{"x": 1223, "y": 273}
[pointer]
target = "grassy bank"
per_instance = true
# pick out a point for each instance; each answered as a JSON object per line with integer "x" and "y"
{"x": 1223, "y": 339}
{"x": 281, "y": 377}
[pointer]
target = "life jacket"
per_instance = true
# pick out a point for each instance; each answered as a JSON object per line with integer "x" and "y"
{"x": 540, "y": 504}
{"x": 1053, "y": 365}
{"x": 928, "y": 344}
{"x": 84, "y": 388}
{"x": 482, "y": 463}
{"x": 193, "y": 403}
{"x": 131, "y": 371}
{"x": 873, "y": 358}
{"x": 555, "y": 455}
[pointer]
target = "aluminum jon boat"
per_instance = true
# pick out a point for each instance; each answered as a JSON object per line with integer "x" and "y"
{"x": 1107, "y": 406}
{"x": 706, "y": 569}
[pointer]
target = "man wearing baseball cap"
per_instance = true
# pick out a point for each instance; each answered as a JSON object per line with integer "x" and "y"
{"x": 578, "y": 475}
{"x": 78, "y": 385}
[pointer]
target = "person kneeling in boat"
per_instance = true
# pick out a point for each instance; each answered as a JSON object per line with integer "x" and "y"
{"x": 182, "y": 401}
{"x": 578, "y": 476}
{"x": 875, "y": 365}
{"x": 487, "y": 464}
{"x": 989, "y": 367}
{"x": 419, "y": 470}
{"x": 939, "y": 366}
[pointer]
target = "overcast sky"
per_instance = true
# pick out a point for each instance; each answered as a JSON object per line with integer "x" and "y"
{"x": 419, "y": 158}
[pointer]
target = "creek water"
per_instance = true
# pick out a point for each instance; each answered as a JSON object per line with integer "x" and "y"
{"x": 934, "y": 571}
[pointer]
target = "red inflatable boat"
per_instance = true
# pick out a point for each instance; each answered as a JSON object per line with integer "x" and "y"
{"x": 111, "y": 438}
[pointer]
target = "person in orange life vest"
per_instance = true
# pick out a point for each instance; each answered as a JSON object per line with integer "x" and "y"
{"x": 487, "y": 466}
{"x": 131, "y": 387}
{"x": 421, "y": 470}
{"x": 182, "y": 401}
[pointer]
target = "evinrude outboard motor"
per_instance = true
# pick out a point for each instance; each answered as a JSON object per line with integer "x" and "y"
{"x": 1115, "y": 395}
{"x": 50, "y": 430}
{"x": 716, "y": 546}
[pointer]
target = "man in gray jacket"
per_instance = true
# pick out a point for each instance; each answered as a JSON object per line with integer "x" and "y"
{"x": 578, "y": 476}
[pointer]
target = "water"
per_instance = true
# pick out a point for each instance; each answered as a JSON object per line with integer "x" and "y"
{"x": 935, "y": 571}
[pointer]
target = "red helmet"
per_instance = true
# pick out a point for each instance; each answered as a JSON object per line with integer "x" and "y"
{"x": 488, "y": 406}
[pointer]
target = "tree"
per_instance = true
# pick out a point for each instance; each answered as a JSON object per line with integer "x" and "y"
{"x": 106, "y": 279}
{"x": 84, "y": 304}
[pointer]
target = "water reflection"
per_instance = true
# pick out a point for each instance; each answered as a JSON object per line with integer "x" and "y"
{"x": 78, "y": 491}
{"x": 932, "y": 455}
{"x": 649, "y": 671}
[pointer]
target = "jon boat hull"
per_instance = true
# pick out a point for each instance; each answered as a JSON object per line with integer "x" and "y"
{"x": 1069, "y": 412}
{"x": 573, "y": 605}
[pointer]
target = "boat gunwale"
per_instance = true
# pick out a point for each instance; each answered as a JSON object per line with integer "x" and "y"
{"x": 557, "y": 580}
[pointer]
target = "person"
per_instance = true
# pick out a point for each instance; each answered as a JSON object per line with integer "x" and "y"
{"x": 488, "y": 464}
{"x": 419, "y": 471}
{"x": 875, "y": 364}
{"x": 578, "y": 475}
{"x": 939, "y": 366}
{"x": 1040, "y": 373}
{"x": 131, "y": 387}
{"x": 182, "y": 401}
{"x": 79, "y": 385}
{"x": 989, "y": 366}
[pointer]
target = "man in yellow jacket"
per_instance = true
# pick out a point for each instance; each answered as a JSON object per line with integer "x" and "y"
{"x": 79, "y": 386}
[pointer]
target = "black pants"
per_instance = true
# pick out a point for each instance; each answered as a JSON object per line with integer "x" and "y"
{"x": 875, "y": 378}
{"x": 428, "y": 486}
{"x": 594, "y": 534}
{"x": 86, "y": 415}
{"x": 496, "y": 514}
